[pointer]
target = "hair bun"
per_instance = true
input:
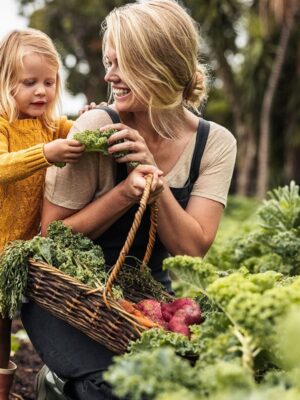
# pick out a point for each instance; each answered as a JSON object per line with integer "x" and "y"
{"x": 195, "y": 91}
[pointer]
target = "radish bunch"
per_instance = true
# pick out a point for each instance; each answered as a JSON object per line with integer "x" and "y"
{"x": 175, "y": 316}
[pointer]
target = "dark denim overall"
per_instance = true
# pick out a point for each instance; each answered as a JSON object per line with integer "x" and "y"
{"x": 65, "y": 350}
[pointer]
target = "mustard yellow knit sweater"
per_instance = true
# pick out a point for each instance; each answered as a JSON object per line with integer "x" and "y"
{"x": 22, "y": 175}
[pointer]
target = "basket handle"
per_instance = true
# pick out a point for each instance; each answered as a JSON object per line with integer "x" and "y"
{"x": 131, "y": 235}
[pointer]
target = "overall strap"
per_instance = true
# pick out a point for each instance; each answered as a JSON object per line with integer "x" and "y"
{"x": 112, "y": 113}
{"x": 202, "y": 135}
{"x": 121, "y": 170}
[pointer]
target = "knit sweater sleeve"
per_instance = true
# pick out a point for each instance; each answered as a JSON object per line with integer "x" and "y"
{"x": 20, "y": 164}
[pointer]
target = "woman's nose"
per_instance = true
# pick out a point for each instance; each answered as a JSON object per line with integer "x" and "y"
{"x": 111, "y": 76}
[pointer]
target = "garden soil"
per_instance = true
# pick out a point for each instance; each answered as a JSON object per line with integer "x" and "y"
{"x": 29, "y": 364}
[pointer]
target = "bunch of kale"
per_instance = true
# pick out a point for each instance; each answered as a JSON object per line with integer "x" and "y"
{"x": 97, "y": 141}
{"x": 73, "y": 254}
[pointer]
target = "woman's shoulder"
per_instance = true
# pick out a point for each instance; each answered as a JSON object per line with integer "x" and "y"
{"x": 218, "y": 134}
{"x": 94, "y": 118}
{"x": 220, "y": 141}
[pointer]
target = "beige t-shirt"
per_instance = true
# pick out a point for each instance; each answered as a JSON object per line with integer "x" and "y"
{"x": 76, "y": 185}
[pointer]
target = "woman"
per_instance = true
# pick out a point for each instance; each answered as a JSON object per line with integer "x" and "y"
{"x": 151, "y": 52}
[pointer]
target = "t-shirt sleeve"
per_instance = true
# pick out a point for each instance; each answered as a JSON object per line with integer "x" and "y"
{"x": 217, "y": 165}
{"x": 76, "y": 185}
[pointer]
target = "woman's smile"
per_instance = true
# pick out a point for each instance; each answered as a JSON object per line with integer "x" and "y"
{"x": 120, "y": 93}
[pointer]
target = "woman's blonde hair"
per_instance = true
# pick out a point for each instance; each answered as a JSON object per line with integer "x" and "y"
{"x": 13, "y": 48}
{"x": 158, "y": 48}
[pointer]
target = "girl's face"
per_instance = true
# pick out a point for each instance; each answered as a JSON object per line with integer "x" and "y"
{"x": 36, "y": 88}
{"x": 124, "y": 98}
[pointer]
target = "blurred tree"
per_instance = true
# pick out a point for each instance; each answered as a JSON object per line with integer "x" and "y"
{"x": 220, "y": 23}
{"x": 254, "y": 77}
{"x": 285, "y": 12}
{"x": 253, "y": 49}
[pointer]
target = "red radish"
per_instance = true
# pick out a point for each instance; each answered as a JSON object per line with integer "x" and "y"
{"x": 193, "y": 310}
{"x": 152, "y": 309}
{"x": 178, "y": 324}
{"x": 192, "y": 314}
{"x": 184, "y": 301}
{"x": 167, "y": 311}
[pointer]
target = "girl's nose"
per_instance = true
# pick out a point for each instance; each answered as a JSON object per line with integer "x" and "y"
{"x": 40, "y": 90}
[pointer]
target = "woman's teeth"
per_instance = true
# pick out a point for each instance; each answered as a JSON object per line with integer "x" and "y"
{"x": 120, "y": 92}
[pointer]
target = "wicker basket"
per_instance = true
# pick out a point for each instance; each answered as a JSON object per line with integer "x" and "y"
{"x": 94, "y": 312}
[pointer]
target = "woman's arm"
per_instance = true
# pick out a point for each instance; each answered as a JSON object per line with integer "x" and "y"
{"x": 190, "y": 231}
{"x": 96, "y": 217}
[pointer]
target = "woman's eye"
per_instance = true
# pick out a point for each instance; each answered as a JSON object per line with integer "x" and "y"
{"x": 107, "y": 64}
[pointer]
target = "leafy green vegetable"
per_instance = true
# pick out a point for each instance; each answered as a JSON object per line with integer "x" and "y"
{"x": 155, "y": 338}
{"x": 249, "y": 295}
{"x": 74, "y": 254}
{"x": 60, "y": 164}
{"x": 97, "y": 140}
{"x": 274, "y": 241}
{"x": 151, "y": 373}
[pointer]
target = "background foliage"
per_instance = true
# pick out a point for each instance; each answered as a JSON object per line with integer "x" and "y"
{"x": 253, "y": 50}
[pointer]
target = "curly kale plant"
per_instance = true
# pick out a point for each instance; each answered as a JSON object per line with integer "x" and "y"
{"x": 272, "y": 245}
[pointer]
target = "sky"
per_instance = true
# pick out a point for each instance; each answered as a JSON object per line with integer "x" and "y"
{"x": 9, "y": 19}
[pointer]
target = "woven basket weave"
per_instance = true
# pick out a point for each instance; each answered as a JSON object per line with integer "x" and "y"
{"x": 93, "y": 311}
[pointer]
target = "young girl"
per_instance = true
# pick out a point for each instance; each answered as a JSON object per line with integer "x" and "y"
{"x": 31, "y": 139}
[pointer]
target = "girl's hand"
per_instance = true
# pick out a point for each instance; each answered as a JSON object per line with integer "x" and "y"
{"x": 133, "y": 143}
{"x": 63, "y": 150}
{"x": 87, "y": 107}
{"x": 135, "y": 183}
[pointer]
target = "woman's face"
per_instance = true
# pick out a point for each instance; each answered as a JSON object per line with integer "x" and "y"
{"x": 124, "y": 98}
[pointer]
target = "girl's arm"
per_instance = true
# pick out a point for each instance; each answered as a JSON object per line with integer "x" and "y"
{"x": 21, "y": 164}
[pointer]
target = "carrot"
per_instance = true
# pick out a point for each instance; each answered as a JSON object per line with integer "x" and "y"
{"x": 127, "y": 305}
{"x": 139, "y": 316}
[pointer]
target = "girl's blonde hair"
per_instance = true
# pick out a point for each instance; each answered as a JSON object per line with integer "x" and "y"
{"x": 158, "y": 47}
{"x": 13, "y": 48}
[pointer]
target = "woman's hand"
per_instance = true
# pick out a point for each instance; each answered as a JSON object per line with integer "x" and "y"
{"x": 87, "y": 107}
{"x": 132, "y": 142}
{"x": 135, "y": 183}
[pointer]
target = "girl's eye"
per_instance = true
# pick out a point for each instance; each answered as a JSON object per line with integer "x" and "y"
{"x": 29, "y": 82}
{"x": 50, "y": 83}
